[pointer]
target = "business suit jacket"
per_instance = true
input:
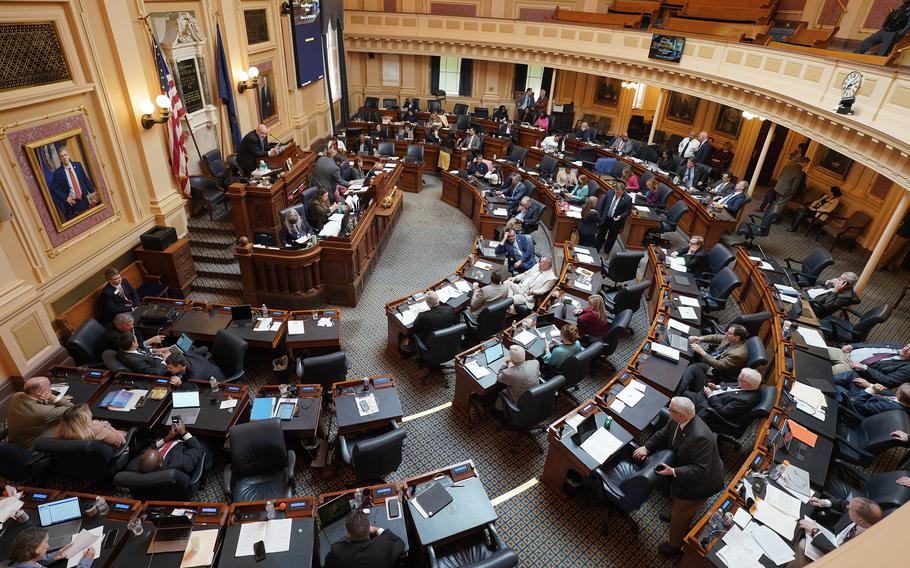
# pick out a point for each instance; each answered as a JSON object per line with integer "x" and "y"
{"x": 517, "y": 193}
{"x": 470, "y": 143}
{"x": 584, "y": 136}
{"x": 60, "y": 190}
{"x": 820, "y": 541}
{"x": 251, "y": 150}
{"x": 831, "y": 303}
{"x": 732, "y": 405}
{"x": 735, "y": 203}
{"x": 184, "y": 456}
{"x": 382, "y": 551}
{"x": 623, "y": 208}
{"x": 871, "y": 404}
{"x": 889, "y": 372}
{"x": 317, "y": 214}
{"x": 790, "y": 180}
{"x": 487, "y": 295}
{"x": 525, "y": 252}
{"x": 697, "y": 175}
{"x": 112, "y": 334}
{"x": 364, "y": 146}
{"x": 113, "y": 303}
{"x": 534, "y": 213}
{"x": 730, "y": 362}
{"x": 201, "y": 368}
{"x": 722, "y": 188}
{"x": 695, "y": 263}
{"x": 327, "y": 174}
{"x": 30, "y": 421}
{"x": 438, "y": 317}
{"x": 141, "y": 363}
{"x": 518, "y": 379}
{"x": 699, "y": 470}
{"x": 703, "y": 155}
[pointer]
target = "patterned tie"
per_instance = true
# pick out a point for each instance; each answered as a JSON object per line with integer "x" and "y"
{"x": 166, "y": 448}
{"x": 720, "y": 351}
{"x": 77, "y": 191}
{"x": 850, "y": 533}
{"x": 876, "y": 358}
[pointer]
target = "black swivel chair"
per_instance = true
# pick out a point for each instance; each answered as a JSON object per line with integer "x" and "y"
{"x": 86, "y": 343}
{"x": 112, "y": 362}
{"x": 517, "y": 155}
{"x": 488, "y": 321}
{"x": 627, "y": 484}
{"x": 460, "y": 108}
{"x": 440, "y": 347}
{"x": 548, "y": 166}
{"x": 482, "y": 549}
{"x": 162, "y": 485}
{"x": 587, "y": 156}
{"x": 842, "y": 330}
{"x": 668, "y": 222}
{"x": 720, "y": 286}
{"x": 434, "y": 106}
{"x": 756, "y": 227}
{"x": 307, "y": 195}
{"x": 810, "y": 267}
{"x": 218, "y": 170}
{"x": 371, "y": 102}
{"x": 618, "y": 327}
{"x": 414, "y": 154}
{"x": 324, "y": 370}
{"x": 85, "y": 459}
{"x": 752, "y": 322}
{"x": 228, "y": 353}
{"x": 261, "y": 467}
{"x": 481, "y": 112}
{"x": 205, "y": 191}
{"x": 628, "y": 298}
{"x": 386, "y": 149}
{"x": 622, "y": 267}
{"x": 732, "y": 431}
{"x": 20, "y": 465}
{"x": 881, "y": 488}
{"x": 533, "y": 410}
{"x": 235, "y": 166}
{"x": 862, "y": 443}
{"x": 463, "y": 122}
{"x": 373, "y": 457}
{"x": 757, "y": 356}
{"x": 577, "y": 368}
{"x": 663, "y": 195}
{"x": 415, "y": 104}
{"x": 718, "y": 257}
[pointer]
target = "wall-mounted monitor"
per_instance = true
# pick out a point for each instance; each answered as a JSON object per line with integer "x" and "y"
{"x": 666, "y": 48}
{"x": 307, "y": 39}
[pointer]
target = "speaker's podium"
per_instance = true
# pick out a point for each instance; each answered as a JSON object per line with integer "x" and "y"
{"x": 257, "y": 205}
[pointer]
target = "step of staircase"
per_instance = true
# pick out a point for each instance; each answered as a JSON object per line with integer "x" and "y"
{"x": 218, "y": 269}
{"x": 225, "y": 285}
{"x": 212, "y": 243}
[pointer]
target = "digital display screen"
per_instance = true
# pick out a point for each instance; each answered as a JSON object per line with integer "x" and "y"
{"x": 94, "y": 373}
{"x": 307, "y": 52}
{"x": 299, "y": 505}
{"x": 460, "y": 469}
{"x": 308, "y": 389}
{"x": 726, "y": 505}
{"x": 162, "y": 381}
{"x": 381, "y": 380}
{"x": 39, "y": 496}
{"x": 233, "y": 389}
{"x": 122, "y": 506}
{"x": 666, "y": 48}
{"x": 383, "y": 491}
{"x": 327, "y": 313}
{"x": 209, "y": 510}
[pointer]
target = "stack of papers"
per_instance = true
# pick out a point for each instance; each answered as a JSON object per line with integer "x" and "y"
{"x": 665, "y": 351}
{"x": 787, "y": 293}
{"x": 584, "y": 258}
{"x": 679, "y": 326}
{"x": 809, "y": 399}
{"x": 330, "y": 229}
{"x": 81, "y": 541}
{"x": 418, "y": 307}
{"x": 816, "y": 292}
{"x": 201, "y": 549}
{"x": 601, "y": 445}
{"x": 483, "y": 265}
{"x": 447, "y": 293}
{"x": 688, "y": 313}
{"x": 642, "y": 209}
{"x": 812, "y": 337}
{"x": 275, "y": 534}
{"x": 462, "y": 286}
{"x": 574, "y": 212}
{"x": 296, "y": 327}
{"x": 500, "y": 212}
{"x": 761, "y": 263}
{"x": 367, "y": 405}
{"x": 634, "y": 392}
{"x": 324, "y": 322}
{"x": 582, "y": 285}
{"x": 406, "y": 317}
{"x": 773, "y": 546}
{"x": 741, "y": 550}
{"x": 476, "y": 370}
{"x": 60, "y": 389}
{"x": 267, "y": 324}
{"x": 687, "y": 301}
{"x": 525, "y": 337}
{"x": 775, "y": 519}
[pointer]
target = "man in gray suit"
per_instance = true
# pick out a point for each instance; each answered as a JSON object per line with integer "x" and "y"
{"x": 492, "y": 292}
{"x": 791, "y": 179}
{"x": 471, "y": 141}
{"x": 518, "y": 374}
{"x": 327, "y": 171}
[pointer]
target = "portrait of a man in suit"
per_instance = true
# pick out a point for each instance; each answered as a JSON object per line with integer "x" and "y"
{"x": 267, "y": 110}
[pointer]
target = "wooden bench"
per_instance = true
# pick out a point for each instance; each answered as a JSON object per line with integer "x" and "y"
{"x": 607, "y": 20}
{"x": 727, "y": 4}
{"x": 726, "y": 13}
{"x": 643, "y": 8}
{"x": 717, "y": 30}
{"x": 811, "y": 38}
{"x": 892, "y": 58}
{"x": 90, "y": 305}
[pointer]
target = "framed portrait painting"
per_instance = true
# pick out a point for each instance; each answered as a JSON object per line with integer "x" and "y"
{"x": 835, "y": 163}
{"x": 265, "y": 94}
{"x": 682, "y": 108}
{"x": 728, "y": 121}
{"x": 607, "y": 91}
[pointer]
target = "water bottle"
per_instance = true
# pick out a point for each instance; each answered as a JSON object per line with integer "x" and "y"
{"x": 265, "y": 311}
{"x": 21, "y": 517}
{"x": 101, "y": 505}
{"x": 262, "y": 165}
{"x": 214, "y": 383}
{"x": 358, "y": 499}
{"x": 269, "y": 510}
{"x": 716, "y": 520}
{"x": 315, "y": 315}
{"x": 135, "y": 526}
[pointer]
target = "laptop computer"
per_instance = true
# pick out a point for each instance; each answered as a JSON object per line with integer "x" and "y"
{"x": 184, "y": 343}
{"x": 587, "y": 427}
{"x": 241, "y": 312}
{"x": 172, "y": 534}
{"x": 61, "y": 519}
{"x": 495, "y": 356}
{"x": 329, "y": 514}
{"x": 186, "y": 406}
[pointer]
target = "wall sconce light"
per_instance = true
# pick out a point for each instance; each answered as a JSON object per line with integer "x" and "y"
{"x": 148, "y": 111}
{"x": 749, "y": 116}
{"x": 248, "y": 79}
{"x": 629, "y": 85}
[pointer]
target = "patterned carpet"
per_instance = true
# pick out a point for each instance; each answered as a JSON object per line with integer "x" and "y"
{"x": 544, "y": 529}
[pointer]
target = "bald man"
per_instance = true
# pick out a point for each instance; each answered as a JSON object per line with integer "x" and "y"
{"x": 33, "y": 413}
{"x": 177, "y": 450}
{"x": 729, "y": 400}
{"x": 518, "y": 374}
{"x": 254, "y": 147}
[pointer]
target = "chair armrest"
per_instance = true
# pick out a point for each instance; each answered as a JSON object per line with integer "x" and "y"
{"x": 345, "y": 449}
{"x": 197, "y": 475}
{"x": 854, "y": 312}
{"x": 604, "y": 483}
{"x": 703, "y": 281}
{"x": 711, "y": 414}
{"x": 494, "y": 537}
{"x": 126, "y": 445}
{"x": 852, "y": 471}
{"x": 431, "y": 556}
{"x": 856, "y": 449}
{"x": 848, "y": 411}
{"x": 789, "y": 260}
{"x": 228, "y": 481}
{"x": 292, "y": 460}
{"x": 235, "y": 377}
{"x": 508, "y": 404}
{"x": 753, "y": 216}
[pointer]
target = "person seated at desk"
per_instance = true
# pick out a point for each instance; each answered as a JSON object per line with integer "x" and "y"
{"x": 665, "y": 161}
{"x": 501, "y": 114}
{"x": 593, "y": 321}
{"x": 356, "y": 170}
{"x": 364, "y": 145}
{"x": 177, "y": 450}
{"x": 566, "y": 177}
{"x": 406, "y": 132}
{"x": 873, "y": 362}
{"x": 529, "y": 212}
{"x": 30, "y": 550}
{"x": 124, "y": 322}
{"x": 876, "y": 398}
{"x": 253, "y": 148}
{"x": 589, "y": 224}
{"x": 519, "y": 250}
{"x": 839, "y": 295}
{"x": 493, "y": 292}
{"x": 630, "y": 179}
{"x": 34, "y": 413}
{"x": 431, "y": 136}
{"x": 579, "y": 193}
{"x": 518, "y": 374}
{"x": 721, "y": 158}
{"x": 818, "y": 211}
{"x": 493, "y": 176}
{"x": 532, "y": 284}
{"x": 409, "y": 116}
{"x": 844, "y": 358}
{"x": 118, "y": 295}
{"x": 437, "y": 119}
{"x": 689, "y": 175}
{"x": 365, "y": 546}
{"x": 471, "y": 141}
{"x": 733, "y": 202}
{"x": 439, "y": 316}
{"x": 513, "y": 188}
{"x": 477, "y": 168}
{"x": 728, "y": 400}
{"x": 184, "y": 367}
{"x": 652, "y": 192}
{"x": 622, "y": 144}
{"x": 319, "y": 209}
{"x": 138, "y": 361}
{"x": 584, "y": 133}
{"x": 336, "y": 144}
{"x": 724, "y": 362}
{"x": 77, "y": 424}
{"x": 693, "y": 254}
{"x": 294, "y": 227}
{"x": 542, "y": 121}
{"x": 558, "y": 350}
{"x": 515, "y": 194}
{"x": 551, "y": 144}
{"x": 724, "y": 185}
{"x": 858, "y": 515}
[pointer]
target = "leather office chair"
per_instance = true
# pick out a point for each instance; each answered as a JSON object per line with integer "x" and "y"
{"x": 732, "y": 431}
{"x": 86, "y": 343}
{"x": 547, "y": 166}
{"x": 845, "y": 228}
{"x": 20, "y": 465}
{"x": 434, "y": 105}
{"x": 517, "y": 155}
{"x": 481, "y": 112}
{"x": 663, "y": 194}
{"x": 112, "y": 362}
{"x": 627, "y": 484}
{"x": 587, "y": 156}
{"x": 85, "y": 459}
{"x": 757, "y": 356}
{"x": 324, "y": 370}
{"x": 460, "y": 108}
{"x": 842, "y": 330}
{"x": 389, "y": 103}
{"x": 218, "y": 170}
{"x": 308, "y": 194}
{"x": 533, "y": 410}
{"x": 644, "y": 177}
{"x": 489, "y": 321}
{"x": 720, "y": 286}
{"x": 234, "y": 166}
{"x": 668, "y": 222}
{"x": 228, "y": 353}
{"x": 531, "y": 222}
{"x": 462, "y": 122}
{"x": 576, "y": 368}
{"x": 162, "y": 485}
{"x": 261, "y": 467}
{"x": 414, "y": 154}
{"x": 881, "y": 488}
{"x": 757, "y": 227}
{"x": 440, "y": 347}
{"x": 205, "y": 191}
{"x": 861, "y": 444}
{"x": 415, "y": 104}
{"x": 718, "y": 257}
{"x": 482, "y": 549}
{"x": 628, "y": 298}
{"x": 752, "y": 323}
{"x": 386, "y": 148}
{"x": 371, "y": 102}
{"x": 810, "y": 267}
{"x": 372, "y": 457}
{"x": 622, "y": 267}
{"x": 618, "y": 327}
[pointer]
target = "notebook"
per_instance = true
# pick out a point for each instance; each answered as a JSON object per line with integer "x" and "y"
{"x": 262, "y": 408}
{"x": 432, "y": 500}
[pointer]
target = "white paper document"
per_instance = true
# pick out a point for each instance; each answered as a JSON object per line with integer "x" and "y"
{"x": 330, "y": 229}
{"x": 275, "y": 534}
{"x": 81, "y": 541}
{"x": 601, "y": 445}
{"x": 630, "y": 396}
{"x": 483, "y": 265}
{"x": 9, "y": 506}
{"x": 617, "y": 405}
{"x": 687, "y": 301}
{"x": 773, "y": 546}
{"x": 816, "y": 292}
{"x": 783, "y": 501}
{"x": 770, "y": 516}
{"x": 812, "y": 336}
{"x": 688, "y": 313}
{"x": 665, "y": 351}
{"x": 679, "y": 267}
{"x": 638, "y": 385}
{"x": 525, "y": 337}
{"x": 447, "y": 293}
{"x": 574, "y": 420}
{"x": 407, "y": 318}
{"x": 367, "y": 405}
{"x": 418, "y": 307}
{"x": 742, "y": 517}
{"x": 324, "y": 322}
{"x": 582, "y": 285}
{"x": 229, "y": 403}
{"x": 741, "y": 551}
{"x": 201, "y": 549}
{"x": 296, "y": 327}
{"x": 462, "y": 286}
{"x": 500, "y": 212}
{"x": 642, "y": 209}
{"x": 789, "y": 299}
{"x": 585, "y": 258}
{"x": 476, "y": 370}
{"x": 679, "y": 326}
{"x": 790, "y": 291}
{"x": 574, "y": 213}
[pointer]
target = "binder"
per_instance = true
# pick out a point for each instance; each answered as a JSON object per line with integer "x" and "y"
{"x": 432, "y": 500}
{"x": 262, "y": 409}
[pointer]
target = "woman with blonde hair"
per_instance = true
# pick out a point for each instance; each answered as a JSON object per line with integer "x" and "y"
{"x": 558, "y": 350}
{"x": 593, "y": 321}
{"x": 77, "y": 424}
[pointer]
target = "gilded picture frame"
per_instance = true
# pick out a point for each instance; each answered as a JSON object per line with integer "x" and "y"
{"x": 266, "y": 94}
{"x": 682, "y": 108}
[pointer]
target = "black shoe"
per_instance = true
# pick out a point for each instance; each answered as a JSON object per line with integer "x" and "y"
{"x": 664, "y": 516}
{"x": 667, "y": 550}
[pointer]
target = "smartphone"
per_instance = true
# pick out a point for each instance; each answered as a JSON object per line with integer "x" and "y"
{"x": 259, "y": 551}
{"x": 175, "y": 419}
{"x": 364, "y": 406}
{"x": 659, "y": 467}
{"x": 286, "y": 410}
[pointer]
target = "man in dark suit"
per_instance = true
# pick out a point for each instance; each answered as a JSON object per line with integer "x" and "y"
{"x": 516, "y": 193}
{"x": 690, "y": 175}
{"x": 723, "y": 187}
{"x": 845, "y": 359}
{"x": 138, "y": 361}
{"x": 365, "y": 546}
{"x": 733, "y": 202}
{"x": 509, "y": 185}
{"x": 118, "y": 296}
{"x": 254, "y": 147}
{"x": 177, "y": 450}
{"x": 725, "y": 360}
{"x": 190, "y": 366}
{"x": 613, "y": 210}
{"x": 792, "y": 178}
{"x": 697, "y": 473}
{"x": 266, "y": 101}
{"x": 439, "y": 316}
{"x": 728, "y": 400}
{"x": 840, "y": 295}
{"x": 857, "y": 516}
{"x": 584, "y": 133}
{"x": 876, "y": 399}
{"x": 528, "y": 212}
{"x": 883, "y": 367}
{"x": 477, "y": 168}
{"x": 71, "y": 189}
{"x": 125, "y": 323}
{"x": 703, "y": 154}
{"x": 363, "y": 145}
{"x": 519, "y": 249}
{"x": 471, "y": 141}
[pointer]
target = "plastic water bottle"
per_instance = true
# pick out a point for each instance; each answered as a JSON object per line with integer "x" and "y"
{"x": 358, "y": 499}
{"x": 214, "y": 384}
{"x": 265, "y": 311}
{"x": 262, "y": 165}
{"x": 716, "y": 520}
{"x": 101, "y": 505}
{"x": 269, "y": 510}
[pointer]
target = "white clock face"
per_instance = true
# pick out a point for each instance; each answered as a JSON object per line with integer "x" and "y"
{"x": 851, "y": 84}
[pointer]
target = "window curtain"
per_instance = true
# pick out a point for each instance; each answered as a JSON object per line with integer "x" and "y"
{"x": 434, "y": 74}
{"x": 521, "y": 77}
{"x": 465, "y": 79}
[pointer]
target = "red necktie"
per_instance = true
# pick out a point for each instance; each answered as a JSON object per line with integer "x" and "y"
{"x": 166, "y": 448}
{"x": 77, "y": 191}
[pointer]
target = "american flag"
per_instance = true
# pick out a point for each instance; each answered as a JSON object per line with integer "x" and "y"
{"x": 177, "y": 141}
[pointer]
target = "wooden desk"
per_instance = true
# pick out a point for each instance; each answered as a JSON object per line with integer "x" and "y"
{"x": 211, "y": 419}
{"x": 200, "y": 325}
{"x": 146, "y": 417}
{"x": 305, "y": 423}
{"x": 466, "y": 385}
{"x": 636, "y": 228}
{"x": 301, "y": 511}
{"x": 377, "y": 496}
{"x": 465, "y": 194}
{"x": 314, "y": 336}
{"x": 348, "y": 417}
{"x": 635, "y": 418}
{"x": 85, "y": 385}
{"x": 246, "y": 329}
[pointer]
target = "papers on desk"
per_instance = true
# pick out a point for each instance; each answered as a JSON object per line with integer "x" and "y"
{"x": 812, "y": 337}
{"x": 816, "y": 292}
{"x": 678, "y": 267}
{"x": 201, "y": 549}
{"x": 687, "y": 313}
{"x": 617, "y": 406}
{"x": 483, "y": 265}
{"x": 601, "y": 445}
{"x": 665, "y": 351}
{"x": 810, "y": 400}
{"x": 814, "y": 553}
{"x": 789, "y": 299}
{"x": 476, "y": 370}
{"x": 60, "y": 389}
{"x": 687, "y": 300}
{"x": 324, "y": 322}
{"x": 367, "y": 405}
{"x": 679, "y": 326}
{"x": 776, "y": 520}
{"x": 642, "y": 209}
{"x": 336, "y": 216}
{"x": 229, "y": 403}
{"x": 761, "y": 263}
{"x": 796, "y": 481}
{"x": 81, "y": 541}
{"x": 584, "y": 258}
{"x": 630, "y": 396}
{"x": 582, "y": 284}
{"x": 574, "y": 212}
{"x": 9, "y": 506}
{"x": 773, "y": 546}
{"x": 574, "y": 420}
{"x": 741, "y": 550}
{"x": 296, "y": 327}
{"x": 525, "y": 337}
{"x": 418, "y": 307}
{"x": 406, "y": 317}
{"x": 500, "y": 212}
{"x": 782, "y": 500}
{"x": 462, "y": 285}
{"x": 267, "y": 324}
{"x": 742, "y": 517}
{"x": 448, "y": 292}
{"x": 275, "y": 534}
{"x": 790, "y": 291}
{"x": 134, "y": 396}
{"x": 330, "y": 229}
{"x": 453, "y": 172}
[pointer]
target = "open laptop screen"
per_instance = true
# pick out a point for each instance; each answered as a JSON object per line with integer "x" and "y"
{"x": 59, "y": 511}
